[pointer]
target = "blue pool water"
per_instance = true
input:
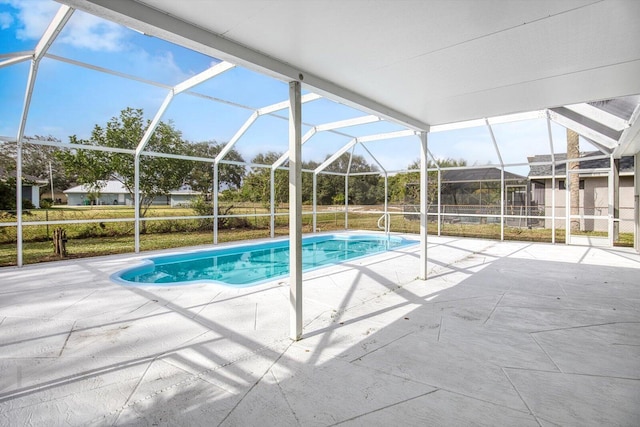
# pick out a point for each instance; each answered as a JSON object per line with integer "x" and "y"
{"x": 249, "y": 265}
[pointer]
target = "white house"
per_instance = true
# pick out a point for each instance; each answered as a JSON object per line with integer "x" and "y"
{"x": 114, "y": 193}
{"x": 30, "y": 186}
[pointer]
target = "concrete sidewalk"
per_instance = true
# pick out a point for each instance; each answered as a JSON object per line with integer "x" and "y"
{"x": 503, "y": 333}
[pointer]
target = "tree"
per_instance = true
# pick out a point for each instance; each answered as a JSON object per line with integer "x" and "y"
{"x": 7, "y": 194}
{"x": 201, "y": 176}
{"x": 362, "y": 189}
{"x": 36, "y": 160}
{"x": 573, "y": 152}
{"x": 158, "y": 175}
{"x": 307, "y": 181}
{"x": 405, "y": 187}
{"x": 257, "y": 184}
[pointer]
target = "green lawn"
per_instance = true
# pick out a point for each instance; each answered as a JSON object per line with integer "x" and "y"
{"x": 104, "y": 238}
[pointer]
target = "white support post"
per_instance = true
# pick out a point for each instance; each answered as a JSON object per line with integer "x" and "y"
{"x": 315, "y": 202}
{"x": 346, "y": 190}
{"x": 495, "y": 146}
{"x": 636, "y": 197}
{"x": 553, "y": 203}
{"x": 57, "y": 24}
{"x": 424, "y": 183}
{"x": 615, "y": 168}
{"x": 502, "y": 203}
{"x": 295, "y": 210}
{"x": 136, "y": 203}
{"x": 439, "y": 199}
{"x": 272, "y": 201}
{"x": 216, "y": 193}
{"x": 33, "y": 70}
{"x": 611, "y": 202}
{"x": 346, "y": 202}
{"x": 553, "y": 184}
{"x": 387, "y": 218}
{"x": 567, "y": 205}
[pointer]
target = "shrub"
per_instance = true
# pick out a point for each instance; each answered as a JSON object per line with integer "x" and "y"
{"x": 46, "y": 203}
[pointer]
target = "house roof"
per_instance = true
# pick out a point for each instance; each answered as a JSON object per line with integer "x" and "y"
{"x": 110, "y": 187}
{"x": 28, "y": 179}
{"x": 626, "y": 164}
{"x": 479, "y": 174}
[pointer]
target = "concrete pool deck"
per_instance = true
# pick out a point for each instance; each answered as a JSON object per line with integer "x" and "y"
{"x": 502, "y": 333}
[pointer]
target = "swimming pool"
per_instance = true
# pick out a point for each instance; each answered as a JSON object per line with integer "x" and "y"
{"x": 249, "y": 265}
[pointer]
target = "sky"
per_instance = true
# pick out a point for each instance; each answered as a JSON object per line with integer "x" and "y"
{"x": 71, "y": 100}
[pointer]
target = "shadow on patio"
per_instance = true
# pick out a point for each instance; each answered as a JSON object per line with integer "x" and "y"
{"x": 502, "y": 334}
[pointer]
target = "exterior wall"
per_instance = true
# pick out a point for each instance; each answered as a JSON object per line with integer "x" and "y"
{"x": 594, "y": 200}
{"x": 182, "y": 199}
{"x": 79, "y": 199}
{"x": 58, "y": 196}
{"x": 32, "y": 194}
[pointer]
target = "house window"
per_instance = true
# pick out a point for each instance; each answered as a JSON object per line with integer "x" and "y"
{"x": 561, "y": 184}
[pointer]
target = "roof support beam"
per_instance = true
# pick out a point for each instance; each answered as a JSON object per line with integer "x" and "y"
{"x": 328, "y": 127}
{"x": 52, "y": 31}
{"x": 495, "y": 144}
{"x": 388, "y": 135}
{"x": 629, "y": 142}
{"x": 369, "y": 138}
{"x": 586, "y": 127}
{"x": 285, "y": 156}
{"x": 349, "y": 122}
{"x": 15, "y": 60}
{"x": 375, "y": 160}
{"x": 202, "y": 77}
{"x": 598, "y": 115}
{"x": 336, "y": 155}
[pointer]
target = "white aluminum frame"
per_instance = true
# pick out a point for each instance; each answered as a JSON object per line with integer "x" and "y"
{"x": 608, "y": 146}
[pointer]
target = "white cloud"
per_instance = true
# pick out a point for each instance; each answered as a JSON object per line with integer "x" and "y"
{"x": 82, "y": 31}
{"x": 93, "y": 33}
{"x": 5, "y": 20}
{"x": 160, "y": 66}
{"x": 32, "y": 17}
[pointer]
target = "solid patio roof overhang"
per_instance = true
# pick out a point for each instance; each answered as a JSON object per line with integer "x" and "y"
{"x": 420, "y": 63}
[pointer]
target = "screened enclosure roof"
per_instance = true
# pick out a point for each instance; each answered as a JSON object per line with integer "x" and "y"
{"x": 422, "y": 63}
{"x": 478, "y": 175}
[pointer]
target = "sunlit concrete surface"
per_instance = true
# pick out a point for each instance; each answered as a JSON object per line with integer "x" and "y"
{"x": 501, "y": 334}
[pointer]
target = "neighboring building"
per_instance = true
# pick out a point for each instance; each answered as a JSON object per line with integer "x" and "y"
{"x": 114, "y": 193}
{"x": 481, "y": 186}
{"x": 30, "y": 186}
{"x": 474, "y": 191}
{"x": 594, "y": 190}
{"x": 477, "y": 191}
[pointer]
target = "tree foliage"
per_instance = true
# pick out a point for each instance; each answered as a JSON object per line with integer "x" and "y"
{"x": 158, "y": 175}
{"x": 201, "y": 176}
{"x": 36, "y": 160}
{"x": 257, "y": 184}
